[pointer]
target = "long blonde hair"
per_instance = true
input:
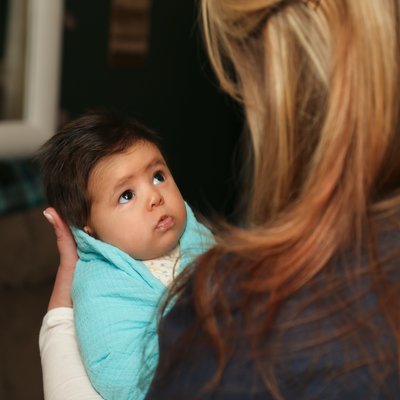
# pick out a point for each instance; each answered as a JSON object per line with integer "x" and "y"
{"x": 319, "y": 83}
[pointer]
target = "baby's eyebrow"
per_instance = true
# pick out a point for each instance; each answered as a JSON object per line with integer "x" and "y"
{"x": 121, "y": 183}
{"x": 156, "y": 162}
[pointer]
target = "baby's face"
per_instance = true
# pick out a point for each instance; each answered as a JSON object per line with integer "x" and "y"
{"x": 135, "y": 203}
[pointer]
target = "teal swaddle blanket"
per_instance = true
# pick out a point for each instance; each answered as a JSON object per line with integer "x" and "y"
{"x": 116, "y": 302}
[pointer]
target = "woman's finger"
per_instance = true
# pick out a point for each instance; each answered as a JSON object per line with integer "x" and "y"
{"x": 65, "y": 241}
{"x": 61, "y": 295}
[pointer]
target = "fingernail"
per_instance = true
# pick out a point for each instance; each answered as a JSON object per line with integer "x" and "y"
{"x": 48, "y": 216}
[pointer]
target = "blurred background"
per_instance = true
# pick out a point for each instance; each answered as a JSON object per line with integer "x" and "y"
{"x": 143, "y": 58}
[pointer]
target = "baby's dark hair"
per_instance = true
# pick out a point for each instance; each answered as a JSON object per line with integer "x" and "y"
{"x": 69, "y": 156}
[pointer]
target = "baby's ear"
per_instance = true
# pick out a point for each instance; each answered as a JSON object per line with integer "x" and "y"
{"x": 88, "y": 230}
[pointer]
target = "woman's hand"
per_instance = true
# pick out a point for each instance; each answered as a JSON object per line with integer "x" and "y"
{"x": 61, "y": 295}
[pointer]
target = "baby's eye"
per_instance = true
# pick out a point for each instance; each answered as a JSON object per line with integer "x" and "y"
{"x": 158, "y": 178}
{"x": 126, "y": 196}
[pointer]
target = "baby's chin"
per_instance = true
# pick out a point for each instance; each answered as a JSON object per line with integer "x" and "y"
{"x": 164, "y": 252}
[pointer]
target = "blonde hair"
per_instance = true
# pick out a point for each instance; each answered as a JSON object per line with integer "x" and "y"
{"x": 319, "y": 83}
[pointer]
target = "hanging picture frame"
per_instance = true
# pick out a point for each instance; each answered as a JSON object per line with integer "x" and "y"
{"x": 129, "y": 33}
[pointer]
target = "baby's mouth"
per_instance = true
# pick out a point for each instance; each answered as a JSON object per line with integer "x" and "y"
{"x": 165, "y": 222}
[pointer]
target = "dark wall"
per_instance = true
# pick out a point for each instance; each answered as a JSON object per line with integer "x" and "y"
{"x": 3, "y": 20}
{"x": 174, "y": 93}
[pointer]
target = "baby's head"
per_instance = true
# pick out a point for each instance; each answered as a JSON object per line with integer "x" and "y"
{"x": 107, "y": 175}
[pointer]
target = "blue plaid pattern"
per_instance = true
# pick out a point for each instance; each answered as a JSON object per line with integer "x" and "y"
{"x": 21, "y": 186}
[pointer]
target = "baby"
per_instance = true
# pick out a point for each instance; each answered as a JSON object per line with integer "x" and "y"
{"x": 108, "y": 179}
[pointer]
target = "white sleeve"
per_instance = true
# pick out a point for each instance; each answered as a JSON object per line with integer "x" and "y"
{"x": 64, "y": 376}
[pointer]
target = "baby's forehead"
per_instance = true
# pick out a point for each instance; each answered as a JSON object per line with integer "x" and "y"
{"x": 141, "y": 146}
{"x": 138, "y": 148}
{"x": 137, "y": 158}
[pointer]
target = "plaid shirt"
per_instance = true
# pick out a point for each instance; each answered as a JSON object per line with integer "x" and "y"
{"x": 20, "y": 185}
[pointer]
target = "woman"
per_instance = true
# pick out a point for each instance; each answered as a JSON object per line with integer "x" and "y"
{"x": 303, "y": 302}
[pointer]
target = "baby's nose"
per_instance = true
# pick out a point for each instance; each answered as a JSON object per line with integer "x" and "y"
{"x": 155, "y": 199}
